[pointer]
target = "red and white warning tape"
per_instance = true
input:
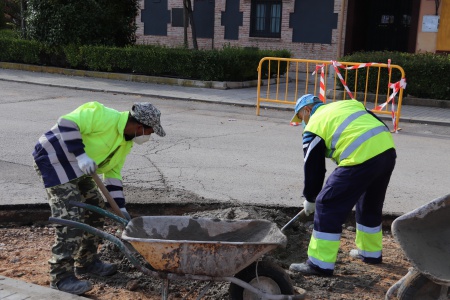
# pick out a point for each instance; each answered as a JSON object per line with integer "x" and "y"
{"x": 395, "y": 89}
{"x": 322, "y": 81}
{"x": 336, "y": 66}
{"x": 394, "y": 86}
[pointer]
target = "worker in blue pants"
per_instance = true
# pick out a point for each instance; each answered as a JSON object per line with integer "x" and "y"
{"x": 363, "y": 148}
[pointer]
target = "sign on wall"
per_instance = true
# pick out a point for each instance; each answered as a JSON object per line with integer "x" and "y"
{"x": 430, "y": 23}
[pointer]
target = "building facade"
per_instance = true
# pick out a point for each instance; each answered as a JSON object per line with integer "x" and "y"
{"x": 310, "y": 29}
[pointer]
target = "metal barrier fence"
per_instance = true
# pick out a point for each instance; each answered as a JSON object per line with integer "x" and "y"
{"x": 284, "y": 80}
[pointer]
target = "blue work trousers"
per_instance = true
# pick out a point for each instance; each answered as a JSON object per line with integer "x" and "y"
{"x": 363, "y": 185}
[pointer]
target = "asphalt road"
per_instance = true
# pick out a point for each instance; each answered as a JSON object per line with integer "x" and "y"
{"x": 211, "y": 152}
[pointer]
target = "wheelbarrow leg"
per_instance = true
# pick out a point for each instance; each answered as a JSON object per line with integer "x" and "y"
{"x": 165, "y": 289}
{"x": 443, "y": 294}
{"x": 391, "y": 293}
{"x": 204, "y": 290}
{"x": 191, "y": 291}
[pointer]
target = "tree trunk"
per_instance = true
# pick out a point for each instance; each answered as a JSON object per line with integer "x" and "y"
{"x": 185, "y": 23}
{"x": 23, "y": 8}
{"x": 191, "y": 19}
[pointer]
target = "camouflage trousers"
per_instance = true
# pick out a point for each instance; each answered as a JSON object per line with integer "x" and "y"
{"x": 73, "y": 247}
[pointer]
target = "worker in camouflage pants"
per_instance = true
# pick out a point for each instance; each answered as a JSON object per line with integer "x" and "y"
{"x": 92, "y": 139}
{"x": 72, "y": 245}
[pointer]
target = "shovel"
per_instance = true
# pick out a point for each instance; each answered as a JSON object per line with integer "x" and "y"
{"x": 301, "y": 216}
{"x": 107, "y": 195}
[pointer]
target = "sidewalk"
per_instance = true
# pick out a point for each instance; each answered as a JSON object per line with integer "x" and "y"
{"x": 16, "y": 289}
{"x": 242, "y": 96}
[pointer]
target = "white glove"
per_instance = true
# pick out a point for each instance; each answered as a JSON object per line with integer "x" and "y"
{"x": 309, "y": 207}
{"x": 125, "y": 213}
{"x": 86, "y": 164}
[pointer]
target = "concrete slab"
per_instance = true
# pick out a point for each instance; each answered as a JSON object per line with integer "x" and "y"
{"x": 11, "y": 289}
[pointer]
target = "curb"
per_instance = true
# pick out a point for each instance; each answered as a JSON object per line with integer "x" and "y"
{"x": 39, "y": 213}
{"x": 409, "y": 100}
{"x": 18, "y": 289}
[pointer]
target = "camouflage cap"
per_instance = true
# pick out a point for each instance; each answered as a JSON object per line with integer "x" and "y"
{"x": 148, "y": 115}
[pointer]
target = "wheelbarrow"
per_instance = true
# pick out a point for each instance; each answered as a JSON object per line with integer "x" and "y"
{"x": 424, "y": 236}
{"x": 202, "y": 249}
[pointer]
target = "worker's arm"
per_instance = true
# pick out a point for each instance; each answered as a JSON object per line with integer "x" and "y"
{"x": 115, "y": 188}
{"x": 70, "y": 134}
{"x": 314, "y": 165}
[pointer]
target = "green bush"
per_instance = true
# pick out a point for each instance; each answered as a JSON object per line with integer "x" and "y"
{"x": 20, "y": 51}
{"x": 102, "y": 58}
{"x": 147, "y": 60}
{"x": 101, "y": 22}
{"x": 7, "y": 33}
{"x": 228, "y": 64}
{"x": 427, "y": 74}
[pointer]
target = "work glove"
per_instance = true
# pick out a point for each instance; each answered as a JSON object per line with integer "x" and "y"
{"x": 125, "y": 213}
{"x": 309, "y": 207}
{"x": 86, "y": 164}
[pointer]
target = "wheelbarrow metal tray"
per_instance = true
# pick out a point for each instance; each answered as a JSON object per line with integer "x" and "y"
{"x": 424, "y": 235}
{"x": 202, "y": 246}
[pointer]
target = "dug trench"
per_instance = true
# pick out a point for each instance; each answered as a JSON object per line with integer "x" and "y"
{"x": 26, "y": 238}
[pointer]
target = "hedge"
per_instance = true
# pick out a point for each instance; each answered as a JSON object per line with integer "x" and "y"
{"x": 427, "y": 74}
{"x": 227, "y": 64}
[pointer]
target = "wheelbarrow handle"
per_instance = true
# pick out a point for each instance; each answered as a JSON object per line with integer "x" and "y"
{"x": 101, "y": 211}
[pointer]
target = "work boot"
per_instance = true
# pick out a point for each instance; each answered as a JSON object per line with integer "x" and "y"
{"x": 72, "y": 285}
{"x": 368, "y": 260}
{"x": 355, "y": 254}
{"x": 97, "y": 267}
{"x": 306, "y": 269}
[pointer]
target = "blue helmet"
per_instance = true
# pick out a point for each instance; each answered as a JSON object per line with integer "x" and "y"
{"x": 302, "y": 102}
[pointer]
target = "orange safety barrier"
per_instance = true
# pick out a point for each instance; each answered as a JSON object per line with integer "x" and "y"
{"x": 380, "y": 87}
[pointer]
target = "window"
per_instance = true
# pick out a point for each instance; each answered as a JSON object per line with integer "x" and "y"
{"x": 265, "y": 18}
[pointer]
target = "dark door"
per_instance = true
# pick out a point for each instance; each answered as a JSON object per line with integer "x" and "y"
{"x": 377, "y": 25}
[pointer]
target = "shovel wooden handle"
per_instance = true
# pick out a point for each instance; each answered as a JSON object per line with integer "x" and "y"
{"x": 107, "y": 195}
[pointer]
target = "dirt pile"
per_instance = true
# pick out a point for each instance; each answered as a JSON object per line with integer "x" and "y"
{"x": 24, "y": 252}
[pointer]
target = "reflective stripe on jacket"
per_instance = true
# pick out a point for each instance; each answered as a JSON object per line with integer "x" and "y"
{"x": 352, "y": 135}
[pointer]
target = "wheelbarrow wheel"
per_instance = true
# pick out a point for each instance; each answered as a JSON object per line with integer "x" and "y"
{"x": 265, "y": 276}
{"x": 418, "y": 287}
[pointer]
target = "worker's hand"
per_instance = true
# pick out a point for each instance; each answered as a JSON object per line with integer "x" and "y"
{"x": 125, "y": 213}
{"x": 86, "y": 164}
{"x": 309, "y": 207}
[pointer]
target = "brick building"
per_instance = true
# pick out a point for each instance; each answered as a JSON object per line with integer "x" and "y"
{"x": 310, "y": 29}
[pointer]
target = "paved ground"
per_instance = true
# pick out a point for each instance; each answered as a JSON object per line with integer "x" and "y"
{"x": 203, "y": 140}
{"x": 12, "y": 289}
